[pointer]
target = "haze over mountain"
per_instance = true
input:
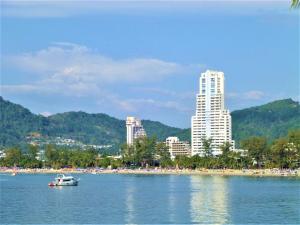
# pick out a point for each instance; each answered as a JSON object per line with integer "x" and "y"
{"x": 16, "y": 123}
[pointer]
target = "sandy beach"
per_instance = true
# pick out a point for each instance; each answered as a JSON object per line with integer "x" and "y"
{"x": 158, "y": 171}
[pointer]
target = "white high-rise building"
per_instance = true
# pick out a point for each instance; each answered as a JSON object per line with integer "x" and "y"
{"x": 212, "y": 120}
{"x": 134, "y": 129}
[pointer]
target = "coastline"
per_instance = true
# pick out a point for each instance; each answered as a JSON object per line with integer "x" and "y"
{"x": 157, "y": 171}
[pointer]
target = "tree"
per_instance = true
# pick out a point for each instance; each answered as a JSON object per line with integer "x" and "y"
{"x": 206, "y": 143}
{"x": 127, "y": 152}
{"x": 225, "y": 148}
{"x": 32, "y": 151}
{"x": 52, "y": 156}
{"x": 13, "y": 157}
{"x": 225, "y": 157}
{"x": 141, "y": 152}
{"x": 285, "y": 154}
{"x": 145, "y": 150}
{"x": 257, "y": 148}
{"x": 162, "y": 150}
{"x": 295, "y": 4}
{"x": 279, "y": 149}
{"x": 294, "y": 138}
{"x": 183, "y": 161}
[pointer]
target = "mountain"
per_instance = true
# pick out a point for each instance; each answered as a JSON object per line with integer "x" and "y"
{"x": 16, "y": 123}
{"x": 271, "y": 120}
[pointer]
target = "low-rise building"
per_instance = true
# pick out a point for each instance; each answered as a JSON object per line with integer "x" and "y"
{"x": 177, "y": 147}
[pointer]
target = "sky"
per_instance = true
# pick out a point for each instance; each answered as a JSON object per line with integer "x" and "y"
{"x": 144, "y": 58}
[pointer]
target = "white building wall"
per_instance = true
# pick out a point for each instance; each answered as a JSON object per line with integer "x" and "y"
{"x": 177, "y": 147}
{"x": 211, "y": 120}
{"x": 134, "y": 129}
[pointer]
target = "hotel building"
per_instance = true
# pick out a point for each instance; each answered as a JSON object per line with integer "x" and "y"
{"x": 211, "y": 120}
{"x": 134, "y": 129}
{"x": 177, "y": 147}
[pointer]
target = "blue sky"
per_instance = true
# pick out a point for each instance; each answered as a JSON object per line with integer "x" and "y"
{"x": 144, "y": 58}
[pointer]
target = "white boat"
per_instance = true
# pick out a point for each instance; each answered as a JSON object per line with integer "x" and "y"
{"x": 63, "y": 180}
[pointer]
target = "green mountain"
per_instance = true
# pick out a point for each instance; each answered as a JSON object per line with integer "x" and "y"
{"x": 271, "y": 120}
{"x": 16, "y": 123}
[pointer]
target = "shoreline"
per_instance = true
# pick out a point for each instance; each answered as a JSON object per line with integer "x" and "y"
{"x": 209, "y": 172}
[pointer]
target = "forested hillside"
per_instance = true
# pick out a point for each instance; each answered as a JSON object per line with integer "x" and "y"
{"x": 16, "y": 123}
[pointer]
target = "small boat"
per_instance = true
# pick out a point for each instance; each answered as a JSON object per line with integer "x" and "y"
{"x": 63, "y": 180}
{"x": 14, "y": 174}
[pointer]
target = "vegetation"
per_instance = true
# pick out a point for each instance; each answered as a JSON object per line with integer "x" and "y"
{"x": 257, "y": 149}
{"x": 295, "y": 4}
{"x": 98, "y": 129}
{"x": 146, "y": 152}
{"x": 272, "y": 120}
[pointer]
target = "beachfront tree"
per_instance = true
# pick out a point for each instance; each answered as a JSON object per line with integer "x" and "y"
{"x": 140, "y": 153}
{"x": 206, "y": 143}
{"x": 127, "y": 152}
{"x": 284, "y": 153}
{"x": 103, "y": 161}
{"x": 183, "y": 161}
{"x": 279, "y": 150}
{"x": 225, "y": 158}
{"x": 162, "y": 151}
{"x": 257, "y": 149}
{"x": 52, "y": 156}
{"x": 145, "y": 148}
{"x": 32, "y": 151}
{"x": 294, "y": 138}
{"x": 13, "y": 157}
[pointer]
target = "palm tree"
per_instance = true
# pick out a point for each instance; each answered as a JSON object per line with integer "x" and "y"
{"x": 295, "y": 4}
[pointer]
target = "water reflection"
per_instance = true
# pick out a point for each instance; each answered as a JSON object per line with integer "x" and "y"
{"x": 172, "y": 199}
{"x": 130, "y": 192}
{"x": 209, "y": 203}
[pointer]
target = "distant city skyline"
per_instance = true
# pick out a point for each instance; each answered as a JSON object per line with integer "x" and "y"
{"x": 145, "y": 58}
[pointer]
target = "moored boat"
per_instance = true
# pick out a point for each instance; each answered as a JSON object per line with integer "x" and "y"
{"x": 63, "y": 180}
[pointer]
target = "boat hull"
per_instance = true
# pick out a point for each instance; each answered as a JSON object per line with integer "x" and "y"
{"x": 75, "y": 183}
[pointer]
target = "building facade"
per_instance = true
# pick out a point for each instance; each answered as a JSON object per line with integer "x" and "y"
{"x": 177, "y": 147}
{"x": 212, "y": 120}
{"x": 134, "y": 129}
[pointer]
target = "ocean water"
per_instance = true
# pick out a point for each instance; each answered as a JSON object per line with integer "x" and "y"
{"x": 151, "y": 199}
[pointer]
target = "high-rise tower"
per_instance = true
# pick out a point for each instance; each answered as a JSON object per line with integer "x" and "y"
{"x": 212, "y": 120}
{"x": 134, "y": 129}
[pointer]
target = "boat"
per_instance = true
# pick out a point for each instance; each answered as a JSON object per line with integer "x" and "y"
{"x": 64, "y": 180}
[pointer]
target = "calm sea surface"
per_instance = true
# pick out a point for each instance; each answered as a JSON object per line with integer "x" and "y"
{"x": 150, "y": 199}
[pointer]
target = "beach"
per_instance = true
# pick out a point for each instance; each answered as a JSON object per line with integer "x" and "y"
{"x": 158, "y": 171}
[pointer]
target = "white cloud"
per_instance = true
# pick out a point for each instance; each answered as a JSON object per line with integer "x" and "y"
{"x": 77, "y": 71}
{"x": 70, "y": 63}
{"x": 254, "y": 95}
{"x": 136, "y": 105}
{"x": 248, "y": 95}
{"x": 46, "y": 114}
{"x": 169, "y": 93}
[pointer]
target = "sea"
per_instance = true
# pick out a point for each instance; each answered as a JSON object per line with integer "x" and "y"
{"x": 150, "y": 199}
